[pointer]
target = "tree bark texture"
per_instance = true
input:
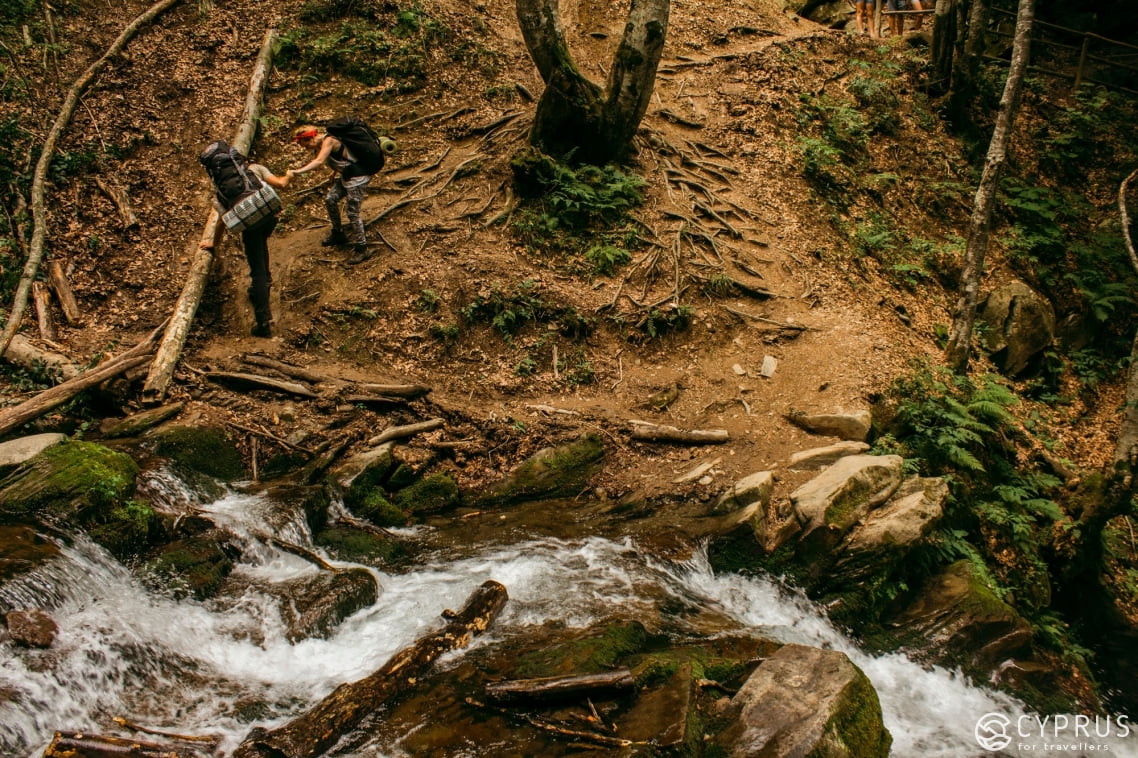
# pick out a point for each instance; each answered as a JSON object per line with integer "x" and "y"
{"x": 63, "y": 292}
{"x": 50, "y": 399}
{"x": 80, "y": 745}
{"x": 980, "y": 225}
{"x": 39, "y": 178}
{"x": 575, "y": 118}
{"x": 42, "y": 298}
{"x": 647, "y": 432}
{"x": 314, "y": 732}
{"x": 943, "y": 47}
{"x": 556, "y": 689}
{"x": 1126, "y": 447}
{"x": 166, "y": 358}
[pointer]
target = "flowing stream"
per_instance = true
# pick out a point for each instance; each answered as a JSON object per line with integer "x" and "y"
{"x": 210, "y": 668}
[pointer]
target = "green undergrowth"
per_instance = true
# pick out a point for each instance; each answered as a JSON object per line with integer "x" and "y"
{"x": 1004, "y": 514}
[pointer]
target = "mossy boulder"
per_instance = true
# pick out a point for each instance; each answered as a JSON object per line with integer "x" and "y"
{"x": 808, "y": 702}
{"x": 315, "y": 604}
{"x": 127, "y": 529}
{"x": 349, "y": 544}
{"x": 552, "y": 472}
{"x": 597, "y": 651}
{"x": 380, "y": 511}
{"x": 956, "y": 619}
{"x": 363, "y": 474}
{"x": 196, "y": 565}
{"x": 78, "y": 482}
{"x": 431, "y": 494}
{"x": 206, "y": 450}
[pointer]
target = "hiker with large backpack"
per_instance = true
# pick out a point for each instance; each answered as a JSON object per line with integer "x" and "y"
{"x": 244, "y": 195}
{"x": 352, "y": 150}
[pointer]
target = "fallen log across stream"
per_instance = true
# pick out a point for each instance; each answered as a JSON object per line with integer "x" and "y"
{"x": 313, "y": 733}
{"x": 561, "y": 688}
{"x": 82, "y": 745}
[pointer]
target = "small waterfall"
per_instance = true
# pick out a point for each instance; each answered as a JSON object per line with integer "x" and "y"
{"x": 220, "y": 667}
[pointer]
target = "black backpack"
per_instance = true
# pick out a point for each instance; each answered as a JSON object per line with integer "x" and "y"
{"x": 226, "y": 167}
{"x": 361, "y": 141}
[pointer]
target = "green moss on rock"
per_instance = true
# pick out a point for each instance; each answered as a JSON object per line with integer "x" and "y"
{"x": 588, "y": 655}
{"x": 380, "y": 511}
{"x": 206, "y": 450}
{"x": 74, "y": 481}
{"x": 560, "y": 471}
{"x": 350, "y": 544}
{"x": 431, "y": 494}
{"x": 126, "y": 530}
{"x": 196, "y": 565}
{"x": 856, "y": 729}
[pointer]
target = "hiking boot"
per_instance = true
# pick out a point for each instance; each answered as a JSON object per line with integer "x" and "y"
{"x": 360, "y": 253}
{"x": 263, "y": 329}
{"x": 335, "y": 237}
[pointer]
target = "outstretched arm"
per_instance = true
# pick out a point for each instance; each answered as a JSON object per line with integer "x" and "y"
{"x": 326, "y": 146}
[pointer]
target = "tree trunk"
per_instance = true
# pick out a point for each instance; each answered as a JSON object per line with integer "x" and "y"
{"x": 944, "y": 45}
{"x": 311, "y": 734}
{"x": 980, "y": 224}
{"x": 166, "y": 358}
{"x": 575, "y": 117}
{"x": 39, "y": 179}
{"x": 972, "y": 18}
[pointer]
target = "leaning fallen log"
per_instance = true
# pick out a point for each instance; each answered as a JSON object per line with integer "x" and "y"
{"x": 648, "y": 432}
{"x": 257, "y": 382}
{"x": 50, "y": 399}
{"x": 314, "y": 732}
{"x": 22, "y": 352}
{"x": 561, "y": 688}
{"x": 170, "y": 350}
{"x": 82, "y": 745}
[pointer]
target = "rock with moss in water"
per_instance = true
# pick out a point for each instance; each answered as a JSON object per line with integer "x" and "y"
{"x": 431, "y": 494}
{"x": 809, "y": 702}
{"x": 350, "y": 544}
{"x": 561, "y": 471}
{"x": 196, "y": 565}
{"x": 81, "y": 483}
{"x": 205, "y": 450}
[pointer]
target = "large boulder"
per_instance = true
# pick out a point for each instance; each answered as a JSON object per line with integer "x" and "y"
{"x": 77, "y": 482}
{"x": 204, "y": 450}
{"x": 828, "y": 506}
{"x": 314, "y": 605}
{"x": 853, "y": 426}
{"x": 1022, "y": 326}
{"x": 958, "y": 620}
{"x": 804, "y": 702}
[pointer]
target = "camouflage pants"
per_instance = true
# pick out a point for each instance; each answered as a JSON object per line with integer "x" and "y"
{"x": 354, "y": 190}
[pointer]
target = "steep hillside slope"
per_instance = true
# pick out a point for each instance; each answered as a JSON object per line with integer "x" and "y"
{"x": 726, "y": 200}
